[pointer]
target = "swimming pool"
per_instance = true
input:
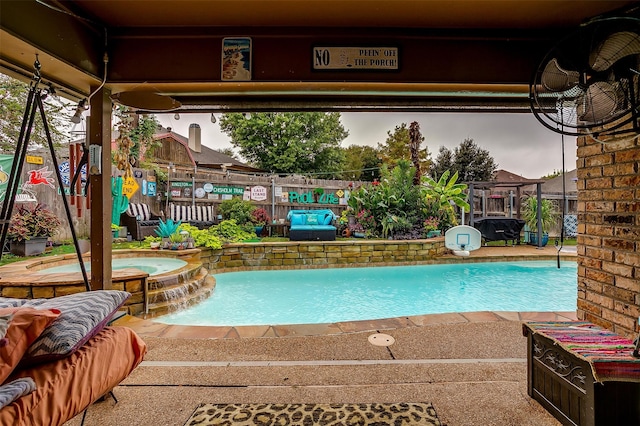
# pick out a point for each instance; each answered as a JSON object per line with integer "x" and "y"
{"x": 350, "y": 294}
{"x": 150, "y": 265}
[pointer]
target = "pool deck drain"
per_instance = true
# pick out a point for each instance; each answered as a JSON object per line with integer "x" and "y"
{"x": 381, "y": 339}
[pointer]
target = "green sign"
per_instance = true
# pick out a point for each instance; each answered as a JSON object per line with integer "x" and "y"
{"x": 233, "y": 190}
{"x": 181, "y": 184}
{"x": 6, "y": 162}
{"x": 308, "y": 198}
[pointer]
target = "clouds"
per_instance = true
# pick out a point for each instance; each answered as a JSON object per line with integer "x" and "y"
{"x": 517, "y": 142}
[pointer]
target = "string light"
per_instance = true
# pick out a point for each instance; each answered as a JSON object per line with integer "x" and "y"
{"x": 213, "y": 118}
{"x": 176, "y": 116}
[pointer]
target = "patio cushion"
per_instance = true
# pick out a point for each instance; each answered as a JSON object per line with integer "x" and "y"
{"x": 139, "y": 210}
{"x": 312, "y": 219}
{"x": 27, "y": 324}
{"x": 298, "y": 219}
{"x": 82, "y": 315}
{"x": 327, "y": 220}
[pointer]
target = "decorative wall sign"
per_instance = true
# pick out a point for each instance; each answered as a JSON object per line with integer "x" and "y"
{"x": 355, "y": 58}
{"x": 200, "y": 192}
{"x": 129, "y": 187}
{"x": 151, "y": 189}
{"x": 308, "y": 198}
{"x": 258, "y": 193}
{"x": 236, "y": 59}
{"x": 232, "y": 190}
{"x": 34, "y": 159}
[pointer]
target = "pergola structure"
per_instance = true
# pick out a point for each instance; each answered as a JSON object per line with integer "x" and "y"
{"x": 280, "y": 55}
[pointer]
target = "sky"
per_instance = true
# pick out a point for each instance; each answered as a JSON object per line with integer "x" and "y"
{"x": 517, "y": 142}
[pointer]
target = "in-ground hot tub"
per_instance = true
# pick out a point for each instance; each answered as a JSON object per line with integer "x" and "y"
{"x": 150, "y": 265}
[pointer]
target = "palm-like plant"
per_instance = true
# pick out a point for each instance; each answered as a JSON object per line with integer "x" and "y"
{"x": 446, "y": 190}
{"x": 548, "y": 214}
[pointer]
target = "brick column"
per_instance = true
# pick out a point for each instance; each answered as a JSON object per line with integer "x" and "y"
{"x": 609, "y": 234}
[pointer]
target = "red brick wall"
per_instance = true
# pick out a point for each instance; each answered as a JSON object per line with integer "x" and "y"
{"x": 609, "y": 234}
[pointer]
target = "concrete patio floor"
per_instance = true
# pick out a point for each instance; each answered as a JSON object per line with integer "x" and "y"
{"x": 471, "y": 366}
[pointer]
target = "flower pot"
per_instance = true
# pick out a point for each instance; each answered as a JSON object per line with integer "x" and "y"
{"x": 259, "y": 230}
{"x": 434, "y": 233}
{"x": 533, "y": 239}
{"x": 32, "y": 247}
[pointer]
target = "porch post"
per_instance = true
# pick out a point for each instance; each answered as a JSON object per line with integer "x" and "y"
{"x": 99, "y": 136}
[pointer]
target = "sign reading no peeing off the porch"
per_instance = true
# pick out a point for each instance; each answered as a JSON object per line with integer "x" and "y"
{"x": 361, "y": 58}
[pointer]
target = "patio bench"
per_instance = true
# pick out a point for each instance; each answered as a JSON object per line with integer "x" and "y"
{"x": 200, "y": 216}
{"x": 311, "y": 225}
{"x": 140, "y": 221}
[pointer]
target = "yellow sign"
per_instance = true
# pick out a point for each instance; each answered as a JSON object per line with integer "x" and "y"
{"x": 35, "y": 159}
{"x": 129, "y": 187}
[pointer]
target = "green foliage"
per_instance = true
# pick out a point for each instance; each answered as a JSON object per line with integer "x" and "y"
{"x": 445, "y": 190}
{"x": 548, "y": 213}
{"x": 29, "y": 222}
{"x": 166, "y": 229}
{"x": 469, "y": 161}
{"x": 361, "y": 163}
{"x": 202, "y": 237}
{"x": 398, "y": 147}
{"x": 151, "y": 239}
{"x": 13, "y": 101}
{"x": 237, "y": 209}
{"x": 230, "y": 232}
{"x": 176, "y": 237}
{"x": 288, "y": 142}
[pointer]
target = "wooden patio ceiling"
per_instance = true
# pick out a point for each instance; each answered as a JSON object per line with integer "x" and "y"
{"x": 462, "y": 54}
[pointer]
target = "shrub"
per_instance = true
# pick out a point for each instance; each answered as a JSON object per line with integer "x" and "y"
{"x": 260, "y": 216}
{"x": 28, "y": 222}
{"x": 237, "y": 209}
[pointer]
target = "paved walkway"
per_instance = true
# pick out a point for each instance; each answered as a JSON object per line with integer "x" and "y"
{"x": 471, "y": 366}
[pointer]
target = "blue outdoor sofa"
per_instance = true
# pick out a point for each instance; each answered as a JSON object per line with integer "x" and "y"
{"x": 311, "y": 225}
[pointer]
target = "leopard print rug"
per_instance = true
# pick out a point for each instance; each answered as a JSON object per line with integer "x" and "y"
{"x": 314, "y": 414}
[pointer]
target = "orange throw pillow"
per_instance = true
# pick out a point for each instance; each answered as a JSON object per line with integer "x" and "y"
{"x": 26, "y": 326}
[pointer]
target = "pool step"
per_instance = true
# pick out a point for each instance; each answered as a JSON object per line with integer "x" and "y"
{"x": 176, "y": 292}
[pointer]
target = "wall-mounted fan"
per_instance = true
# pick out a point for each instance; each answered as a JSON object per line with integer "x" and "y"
{"x": 589, "y": 83}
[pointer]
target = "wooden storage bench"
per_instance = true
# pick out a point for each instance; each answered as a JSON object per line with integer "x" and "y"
{"x": 583, "y": 374}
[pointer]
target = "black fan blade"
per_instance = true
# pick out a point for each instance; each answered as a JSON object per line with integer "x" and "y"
{"x": 613, "y": 48}
{"x": 599, "y": 103}
{"x": 556, "y": 79}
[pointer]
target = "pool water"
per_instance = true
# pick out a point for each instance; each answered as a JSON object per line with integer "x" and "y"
{"x": 349, "y": 294}
{"x": 150, "y": 265}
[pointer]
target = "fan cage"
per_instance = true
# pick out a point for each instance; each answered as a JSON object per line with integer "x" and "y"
{"x": 568, "y": 96}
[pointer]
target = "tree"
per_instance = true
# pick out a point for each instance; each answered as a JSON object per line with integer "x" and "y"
{"x": 442, "y": 163}
{"x": 397, "y": 147}
{"x": 361, "y": 163}
{"x": 470, "y": 162}
{"x": 415, "y": 139}
{"x": 473, "y": 163}
{"x": 228, "y": 151}
{"x": 288, "y": 142}
{"x": 13, "y": 102}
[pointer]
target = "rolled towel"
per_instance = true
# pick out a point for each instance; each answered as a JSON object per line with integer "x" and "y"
{"x": 11, "y": 391}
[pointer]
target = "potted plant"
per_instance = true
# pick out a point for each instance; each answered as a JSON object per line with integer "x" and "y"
{"x": 29, "y": 229}
{"x": 431, "y": 226}
{"x": 260, "y": 218}
{"x": 548, "y": 216}
{"x": 177, "y": 240}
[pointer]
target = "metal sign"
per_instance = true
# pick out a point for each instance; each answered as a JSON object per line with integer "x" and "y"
{"x": 360, "y": 58}
{"x": 35, "y": 159}
{"x": 129, "y": 187}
